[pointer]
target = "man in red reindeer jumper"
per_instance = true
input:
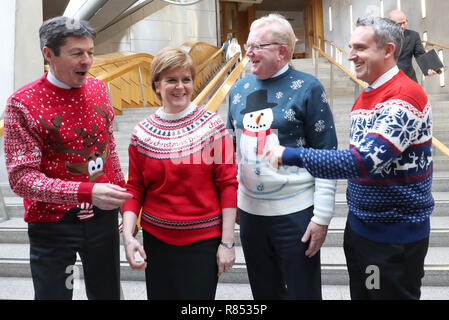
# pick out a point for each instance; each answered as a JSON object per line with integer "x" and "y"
{"x": 61, "y": 158}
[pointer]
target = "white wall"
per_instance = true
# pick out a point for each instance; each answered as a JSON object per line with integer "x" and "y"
{"x": 7, "y": 25}
{"x": 158, "y": 25}
{"x": 28, "y": 61}
{"x": 20, "y": 58}
{"x": 434, "y": 24}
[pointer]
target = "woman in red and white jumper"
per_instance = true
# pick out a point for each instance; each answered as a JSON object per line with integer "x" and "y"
{"x": 182, "y": 175}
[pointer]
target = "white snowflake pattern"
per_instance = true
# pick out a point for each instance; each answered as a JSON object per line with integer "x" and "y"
{"x": 297, "y": 84}
{"x": 290, "y": 115}
{"x": 301, "y": 142}
{"x": 320, "y": 126}
{"x": 237, "y": 98}
{"x": 279, "y": 95}
{"x": 246, "y": 85}
{"x": 324, "y": 98}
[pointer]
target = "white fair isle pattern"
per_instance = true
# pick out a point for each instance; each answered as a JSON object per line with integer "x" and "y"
{"x": 395, "y": 120}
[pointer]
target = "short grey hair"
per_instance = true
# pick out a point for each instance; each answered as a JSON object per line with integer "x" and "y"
{"x": 281, "y": 31}
{"x": 54, "y": 31}
{"x": 385, "y": 31}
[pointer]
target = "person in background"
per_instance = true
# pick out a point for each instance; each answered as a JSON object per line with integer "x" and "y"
{"x": 61, "y": 158}
{"x": 226, "y": 44}
{"x": 182, "y": 175}
{"x": 233, "y": 48}
{"x": 283, "y": 215}
{"x": 388, "y": 166}
{"x": 412, "y": 46}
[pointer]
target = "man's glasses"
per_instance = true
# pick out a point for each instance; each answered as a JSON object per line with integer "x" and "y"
{"x": 403, "y": 23}
{"x": 258, "y": 46}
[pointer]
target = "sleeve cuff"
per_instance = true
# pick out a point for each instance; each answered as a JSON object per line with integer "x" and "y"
{"x": 292, "y": 157}
{"x": 228, "y": 197}
{"x": 132, "y": 205}
{"x": 85, "y": 192}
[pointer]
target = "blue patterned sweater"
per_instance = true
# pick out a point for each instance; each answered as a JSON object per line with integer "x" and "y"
{"x": 290, "y": 109}
{"x": 388, "y": 166}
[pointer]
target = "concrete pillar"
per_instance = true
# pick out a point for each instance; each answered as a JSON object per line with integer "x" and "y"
{"x": 28, "y": 60}
{"x": 7, "y": 25}
{"x": 20, "y": 58}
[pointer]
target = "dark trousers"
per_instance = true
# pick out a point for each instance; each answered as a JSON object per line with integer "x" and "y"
{"x": 53, "y": 249}
{"x": 380, "y": 271}
{"x": 275, "y": 256}
{"x": 181, "y": 272}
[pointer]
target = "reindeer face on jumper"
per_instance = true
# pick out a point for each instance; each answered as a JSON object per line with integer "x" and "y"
{"x": 93, "y": 167}
{"x": 95, "y": 161}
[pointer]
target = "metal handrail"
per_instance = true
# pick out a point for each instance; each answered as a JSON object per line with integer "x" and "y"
{"x": 435, "y": 44}
{"x": 224, "y": 89}
{"x": 214, "y": 82}
{"x": 435, "y": 142}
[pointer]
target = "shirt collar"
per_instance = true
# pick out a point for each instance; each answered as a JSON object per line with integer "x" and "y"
{"x": 52, "y": 79}
{"x": 387, "y": 76}
{"x": 281, "y": 71}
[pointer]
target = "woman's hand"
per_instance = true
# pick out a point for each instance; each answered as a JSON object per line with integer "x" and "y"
{"x": 131, "y": 244}
{"x": 225, "y": 259}
{"x": 131, "y": 247}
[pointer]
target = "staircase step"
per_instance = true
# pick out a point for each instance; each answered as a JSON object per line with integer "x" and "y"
{"x": 15, "y": 231}
{"x": 12, "y": 288}
{"x": 15, "y": 207}
{"x": 15, "y": 263}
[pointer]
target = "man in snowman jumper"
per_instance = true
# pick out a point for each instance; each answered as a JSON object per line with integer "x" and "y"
{"x": 283, "y": 213}
{"x": 388, "y": 166}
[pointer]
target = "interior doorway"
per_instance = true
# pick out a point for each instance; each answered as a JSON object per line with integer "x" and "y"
{"x": 306, "y": 17}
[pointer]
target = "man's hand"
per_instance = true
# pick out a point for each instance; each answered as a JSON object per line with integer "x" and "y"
{"x": 107, "y": 196}
{"x": 431, "y": 72}
{"x": 274, "y": 156}
{"x": 316, "y": 233}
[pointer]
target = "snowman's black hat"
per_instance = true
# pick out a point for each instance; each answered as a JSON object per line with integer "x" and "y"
{"x": 257, "y": 100}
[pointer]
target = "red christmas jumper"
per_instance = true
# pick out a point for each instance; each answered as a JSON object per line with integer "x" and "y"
{"x": 182, "y": 172}
{"x": 58, "y": 142}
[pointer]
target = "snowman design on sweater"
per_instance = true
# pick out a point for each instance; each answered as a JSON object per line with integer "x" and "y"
{"x": 258, "y": 137}
{"x": 289, "y": 109}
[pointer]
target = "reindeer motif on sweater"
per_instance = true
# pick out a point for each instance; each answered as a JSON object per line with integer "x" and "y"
{"x": 94, "y": 161}
{"x": 58, "y": 143}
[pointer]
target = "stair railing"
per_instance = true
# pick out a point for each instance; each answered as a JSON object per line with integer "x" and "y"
{"x": 129, "y": 84}
{"x": 222, "y": 92}
{"x": 215, "y": 81}
{"x": 359, "y": 85}
{"x": 123, "y": 81}
{"x": 206, "y": 70}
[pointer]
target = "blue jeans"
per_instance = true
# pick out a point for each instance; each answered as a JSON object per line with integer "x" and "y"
{"x": 275, "y": 256}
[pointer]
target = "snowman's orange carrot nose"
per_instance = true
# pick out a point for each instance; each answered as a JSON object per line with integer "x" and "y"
{"x": 258, "y": 118}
